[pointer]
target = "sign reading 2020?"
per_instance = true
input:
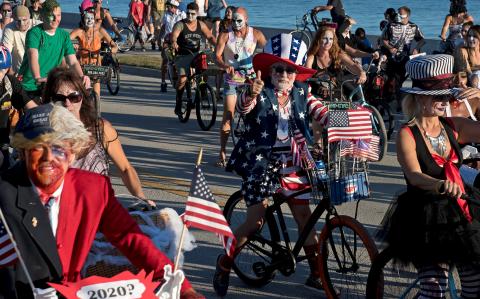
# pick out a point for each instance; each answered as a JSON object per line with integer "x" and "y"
{"x": 122, "y": 286}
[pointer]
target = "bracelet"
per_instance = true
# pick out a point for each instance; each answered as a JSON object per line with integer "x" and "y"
{"x": 439, "y": 186}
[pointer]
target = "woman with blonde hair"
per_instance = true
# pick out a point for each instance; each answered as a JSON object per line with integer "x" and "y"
{"x": 431, "y": 225}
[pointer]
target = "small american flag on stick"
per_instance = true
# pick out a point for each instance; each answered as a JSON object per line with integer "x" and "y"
{"x": 204, "y": 213}
{"x": 349, "y": 124}
{"x": 8, "y": 255}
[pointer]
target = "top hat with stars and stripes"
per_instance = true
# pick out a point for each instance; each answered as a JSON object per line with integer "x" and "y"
{"x": 431, "y": 75}
{"x": 283, "y": 48}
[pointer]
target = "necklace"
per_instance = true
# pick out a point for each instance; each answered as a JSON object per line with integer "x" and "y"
{"x": 438, "y": 143}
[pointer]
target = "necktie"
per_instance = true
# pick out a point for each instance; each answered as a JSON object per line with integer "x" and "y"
{"x": 48, "y": 208}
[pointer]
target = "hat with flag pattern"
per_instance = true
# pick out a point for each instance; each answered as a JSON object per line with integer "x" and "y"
{"x": 283, "y": 48}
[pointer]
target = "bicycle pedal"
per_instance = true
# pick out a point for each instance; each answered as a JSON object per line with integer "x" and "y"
{"x": 259, "y": 269}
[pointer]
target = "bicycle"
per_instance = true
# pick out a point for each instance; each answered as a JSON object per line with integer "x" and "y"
{"x": 387, "y": 279}
{"x": 204, "y": 99}
{"x": 346, "y": 249}
{"x": 375, "y": 91}
{"x": 171, "y": 70}
{"x": 127, "y": 36}
{"x": 112, "y": 78}
{"x": 306, "y": 27}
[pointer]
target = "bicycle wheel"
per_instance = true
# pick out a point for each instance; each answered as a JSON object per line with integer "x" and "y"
{"x": 379, "y": 130}
{"x": 128, "y": 40}
{"x": 387, "y": 279}
{"x": 254, "y": 252}
{"x": 206, "y": 106}
{"x": 346, "y": 250}
{"x": 113, "y": 78}
{"x": 186, "y": 107}
{"x": 387, "y": 116}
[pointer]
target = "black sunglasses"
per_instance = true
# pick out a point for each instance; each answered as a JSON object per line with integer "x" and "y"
{"x": 74, "y": 97}
{"x": 280, "y": 69}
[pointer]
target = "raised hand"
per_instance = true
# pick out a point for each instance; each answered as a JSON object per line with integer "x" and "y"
{"x": 257, "y": 86}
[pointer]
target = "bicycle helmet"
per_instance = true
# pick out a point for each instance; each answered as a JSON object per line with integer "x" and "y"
{"x": 5, "y": 58}
{"x": 86, "y": 4}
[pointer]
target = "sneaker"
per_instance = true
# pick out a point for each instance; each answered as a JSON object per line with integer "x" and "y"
{"x": 163, "y": 87}
{"x": 221, "y": 279}
{"x": 143, "y": 49}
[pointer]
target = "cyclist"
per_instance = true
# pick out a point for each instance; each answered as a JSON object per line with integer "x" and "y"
{"x": 397, "y": 42}
{"x": 101, "y": 14}
{"x": 276, "y": 105}
{"x": 47, "y": 46}
{"x": 431, "y": 225}
{"x": 90, "y": 39}
{"x": 187, "y": 36}
{"x": 336, "y": 10}
{"x": 170, "y": 18}
{"x": 234, "y": 53}
{"x": 14, "y": 36}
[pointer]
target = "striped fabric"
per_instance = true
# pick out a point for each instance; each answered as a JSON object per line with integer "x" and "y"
{"x": 430, "y": 66}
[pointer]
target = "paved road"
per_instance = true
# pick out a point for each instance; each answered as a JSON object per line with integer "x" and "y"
{"x": 163, "y": 151}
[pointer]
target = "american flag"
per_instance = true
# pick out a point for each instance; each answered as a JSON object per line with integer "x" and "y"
{"x": 204, "y": 213}
{"x": 8, "y": 255}
{"x": 349, "y": 124}
{"x": 367, "y": 148}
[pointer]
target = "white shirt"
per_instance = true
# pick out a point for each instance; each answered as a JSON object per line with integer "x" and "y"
{"x": 54, "y": 209}
{"x": 14, "y": 40}
{"x": 170, "y": 19}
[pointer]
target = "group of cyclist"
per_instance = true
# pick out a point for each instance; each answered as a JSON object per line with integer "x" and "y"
{"x": 432, "y": 224}
{"x": 276, "y": 105}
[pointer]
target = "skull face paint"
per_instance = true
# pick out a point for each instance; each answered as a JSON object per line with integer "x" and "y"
{"x": 191, "y": 15}
{"x": 89, "y": 20}
{"x": 238, "y": 21}
{"x": 327, "y": 39}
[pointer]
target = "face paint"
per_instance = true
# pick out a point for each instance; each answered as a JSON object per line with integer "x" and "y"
{"x": 472, "y": 40}
{"x": 191, "y": 15}
{"x": 327, "y": 40}
{"x": 238, "y": 21}
{"x": 89, "y": 20}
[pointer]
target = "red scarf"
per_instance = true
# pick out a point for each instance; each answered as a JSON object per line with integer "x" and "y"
{"x": 453, "y": 174}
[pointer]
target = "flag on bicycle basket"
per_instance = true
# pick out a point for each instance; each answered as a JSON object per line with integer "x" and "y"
{"x": 204, "y": 213}
{"x": 8, "y": 255}
{"x": 349, "y": 124}
{"x": 368, "y": 148}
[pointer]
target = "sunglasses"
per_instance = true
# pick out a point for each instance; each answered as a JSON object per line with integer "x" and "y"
{"x": 6, "y": 10}
{"x": 74, "y": 97}
{"x": 280, "y": 69}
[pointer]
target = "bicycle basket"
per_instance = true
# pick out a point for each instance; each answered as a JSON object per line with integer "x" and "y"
{"x": 349, "y": 188}
{"x": 97, "y": 71}
{"x": 200, "y": 62}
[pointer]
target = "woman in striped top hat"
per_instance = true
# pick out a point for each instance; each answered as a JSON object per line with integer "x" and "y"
{"x": 431, "y": 225}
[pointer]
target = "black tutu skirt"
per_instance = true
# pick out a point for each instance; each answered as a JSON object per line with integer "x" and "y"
{"x": 425, "y": 228}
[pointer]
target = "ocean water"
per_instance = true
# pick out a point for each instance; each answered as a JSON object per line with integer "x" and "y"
{"x": 428, "y": 14}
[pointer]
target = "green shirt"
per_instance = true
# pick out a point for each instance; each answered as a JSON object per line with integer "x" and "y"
{"x": 51, "y": 50}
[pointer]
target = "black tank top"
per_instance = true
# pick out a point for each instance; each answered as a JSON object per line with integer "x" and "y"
{"x": 425, "y": 159}
{"x": 189, "y": 40}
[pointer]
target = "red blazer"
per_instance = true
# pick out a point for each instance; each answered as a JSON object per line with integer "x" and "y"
{"x": 87, "y": 205}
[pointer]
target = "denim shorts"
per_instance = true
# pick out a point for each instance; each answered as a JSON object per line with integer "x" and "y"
{"x": 230, "y": 84}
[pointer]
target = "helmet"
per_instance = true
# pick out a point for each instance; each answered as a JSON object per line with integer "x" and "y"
{"x": 5, "y": 58}
{"x": 86, "y": 4}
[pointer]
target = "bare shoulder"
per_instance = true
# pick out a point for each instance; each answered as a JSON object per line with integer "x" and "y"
{"x": 109, "y": 131}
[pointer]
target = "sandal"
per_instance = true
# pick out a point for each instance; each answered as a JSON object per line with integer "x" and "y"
{"x": 221, "y": 163}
